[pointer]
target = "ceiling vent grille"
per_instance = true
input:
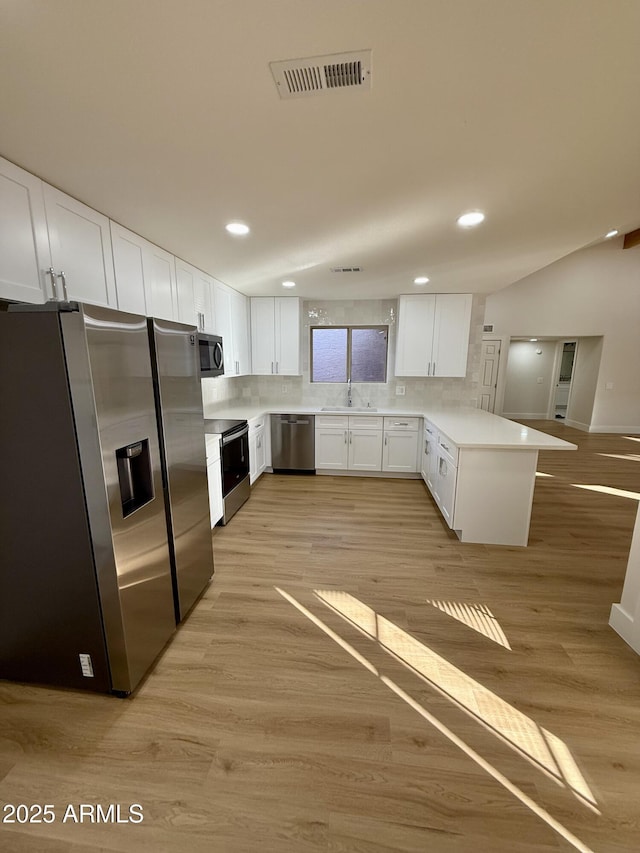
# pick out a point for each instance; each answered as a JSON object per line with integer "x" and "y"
{"x": 297, "y": 78}
{"x": 346, "y": 269}
{"x": 488, "y": 327}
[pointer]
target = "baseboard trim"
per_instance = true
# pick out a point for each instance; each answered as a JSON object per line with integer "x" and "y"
{"x": 632, "y": 430}
{"x": 577, "y": 425}
{"x": 624, "y": 625}
{"x": 395, "y": 475}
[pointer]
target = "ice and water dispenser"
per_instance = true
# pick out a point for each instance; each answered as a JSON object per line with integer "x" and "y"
{"x": 135, "y": 476}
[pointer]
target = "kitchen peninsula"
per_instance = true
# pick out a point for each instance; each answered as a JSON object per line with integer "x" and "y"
{"x": 480, "y": 468}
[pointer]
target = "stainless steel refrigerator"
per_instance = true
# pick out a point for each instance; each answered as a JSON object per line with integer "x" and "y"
{"x": 176, "y": 375}
{"x": 86, "y": 590}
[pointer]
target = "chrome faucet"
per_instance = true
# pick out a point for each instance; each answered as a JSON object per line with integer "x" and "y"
{"x": 349, "y": 401}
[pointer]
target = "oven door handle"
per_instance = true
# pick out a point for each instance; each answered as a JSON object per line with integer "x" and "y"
{"x": 227, "y": 439}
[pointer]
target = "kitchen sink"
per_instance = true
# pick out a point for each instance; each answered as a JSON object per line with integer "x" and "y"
{"x": 348, "y": 409}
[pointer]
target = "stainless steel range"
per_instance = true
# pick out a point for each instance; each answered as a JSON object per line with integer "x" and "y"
{"x": 234, "y": 459}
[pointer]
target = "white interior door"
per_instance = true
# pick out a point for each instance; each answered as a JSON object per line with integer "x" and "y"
{"x": 489, "y": 375}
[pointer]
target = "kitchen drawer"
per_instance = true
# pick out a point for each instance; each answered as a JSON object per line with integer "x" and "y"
{"x": 430, "y": 430}
{"x": 337, "y": 421}
{"x": 407, "y": 424}
{"x": 256, "y": 424}
{"x": 365, "y": 422}
{"x": 448, "y": 447}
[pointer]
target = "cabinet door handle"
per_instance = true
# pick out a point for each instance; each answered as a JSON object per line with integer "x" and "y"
{"x": 277, "y": 368}
{"x": 442, "y": 444}
{"x": 52, "y": 273}
{"x": 429, "y": 369}
{"x": 64, "y": 285}
{"x": 350, "y": 437}
{"x": 400, "y": 423}
{"x": 385, "y": 438}
{"x": 272, "y": 367}
{"x": 443, "y": 467}
{"x": 426, "y": 448}
{"x": 434, "y": 368}
{"x": 345, "y": 436}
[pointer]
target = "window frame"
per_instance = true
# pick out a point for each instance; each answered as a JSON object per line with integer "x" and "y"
{"x": 349, "y": 327}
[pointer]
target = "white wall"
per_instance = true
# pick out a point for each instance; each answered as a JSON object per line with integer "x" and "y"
{"x": 528, "y": 362}
{"x": 593, "y": 292}
{"x": 585, "y": 382}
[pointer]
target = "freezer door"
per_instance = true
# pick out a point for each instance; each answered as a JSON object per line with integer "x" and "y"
{"x": 181, "y": 420}
{"x": 137, "y": 603}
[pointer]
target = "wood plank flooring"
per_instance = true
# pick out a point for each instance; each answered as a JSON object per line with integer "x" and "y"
{"x": 318, "y": 700}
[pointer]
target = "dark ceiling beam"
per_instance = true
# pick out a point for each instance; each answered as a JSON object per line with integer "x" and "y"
{"x": 632, "y": 239}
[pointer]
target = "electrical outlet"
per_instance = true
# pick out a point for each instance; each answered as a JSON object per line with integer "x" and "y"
{"x": 399, "y": 390}
{"x": 540, "y": 380}
{"x": 285, "y": 388}
{"x": 608, "y": 386}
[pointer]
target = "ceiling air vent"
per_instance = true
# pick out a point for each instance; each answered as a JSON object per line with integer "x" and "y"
{"x": 488, "y": 327}
{"x": 297, "y": 78}
{"x": 346, "y": 269}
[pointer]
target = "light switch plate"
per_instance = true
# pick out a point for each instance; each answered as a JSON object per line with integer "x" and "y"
{"x": 400, "y": 390}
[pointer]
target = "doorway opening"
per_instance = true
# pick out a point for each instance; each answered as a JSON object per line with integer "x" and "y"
{"x": 564, "y": 378}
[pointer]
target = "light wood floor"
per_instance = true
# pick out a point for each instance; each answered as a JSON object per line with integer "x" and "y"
{"x": 318, "y": 700}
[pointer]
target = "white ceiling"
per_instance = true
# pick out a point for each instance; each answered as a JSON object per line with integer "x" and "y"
{"x": 163, "y": 114}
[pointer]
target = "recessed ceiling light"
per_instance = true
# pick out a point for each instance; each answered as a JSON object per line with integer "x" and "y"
{"x": 288, "y": 284}
{"x": 533, "y": 339}
{"x": 237, "y": 228}
{"x": 422, "y": 279}
{"x": 611, "y": 233}
{"x": 470, "y": 219}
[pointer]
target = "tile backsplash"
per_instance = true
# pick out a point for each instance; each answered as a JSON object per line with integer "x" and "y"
{"x": 298, "y": 390}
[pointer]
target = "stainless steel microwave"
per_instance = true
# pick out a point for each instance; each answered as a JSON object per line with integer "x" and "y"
{"x": 211, "y": 355}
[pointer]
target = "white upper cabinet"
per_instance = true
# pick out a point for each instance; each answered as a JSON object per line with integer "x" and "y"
{"x": 160, "y": 282}
{"x": 81, "y": 255}
{"x": 24, "y": 242}
{"x": 240, "y": 335}
{"x": 222, "y": 314}
{"x": 203, "y": 297}
{"x": 128, "y": 263}
{"x": 275, "y": 335}
{"x": 231, "y": 312}
{"x": 433, "y": 334}
{"x": 451, "y": 329}
{"x": 194, "y": 296}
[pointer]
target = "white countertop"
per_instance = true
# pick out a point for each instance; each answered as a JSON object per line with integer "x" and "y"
{"x": 465, "y": 427}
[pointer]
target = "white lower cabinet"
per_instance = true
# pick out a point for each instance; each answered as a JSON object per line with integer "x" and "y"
{"x": 214, "y": 476}
{"x": 257, "y": 448}
{"x": 444, "y": 490}
{"x": 348, "y": 443}
{"x": 332, "y": 443}
{"x": 365, "y": 448}
{"x": 400, "y": 449}
{"x": 429, "y": 455}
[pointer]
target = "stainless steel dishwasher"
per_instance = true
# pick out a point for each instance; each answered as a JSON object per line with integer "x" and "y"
{"x": 293, "y": 443}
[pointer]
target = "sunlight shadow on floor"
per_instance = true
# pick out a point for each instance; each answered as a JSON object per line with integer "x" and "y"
{"x": 492, "y": 771}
